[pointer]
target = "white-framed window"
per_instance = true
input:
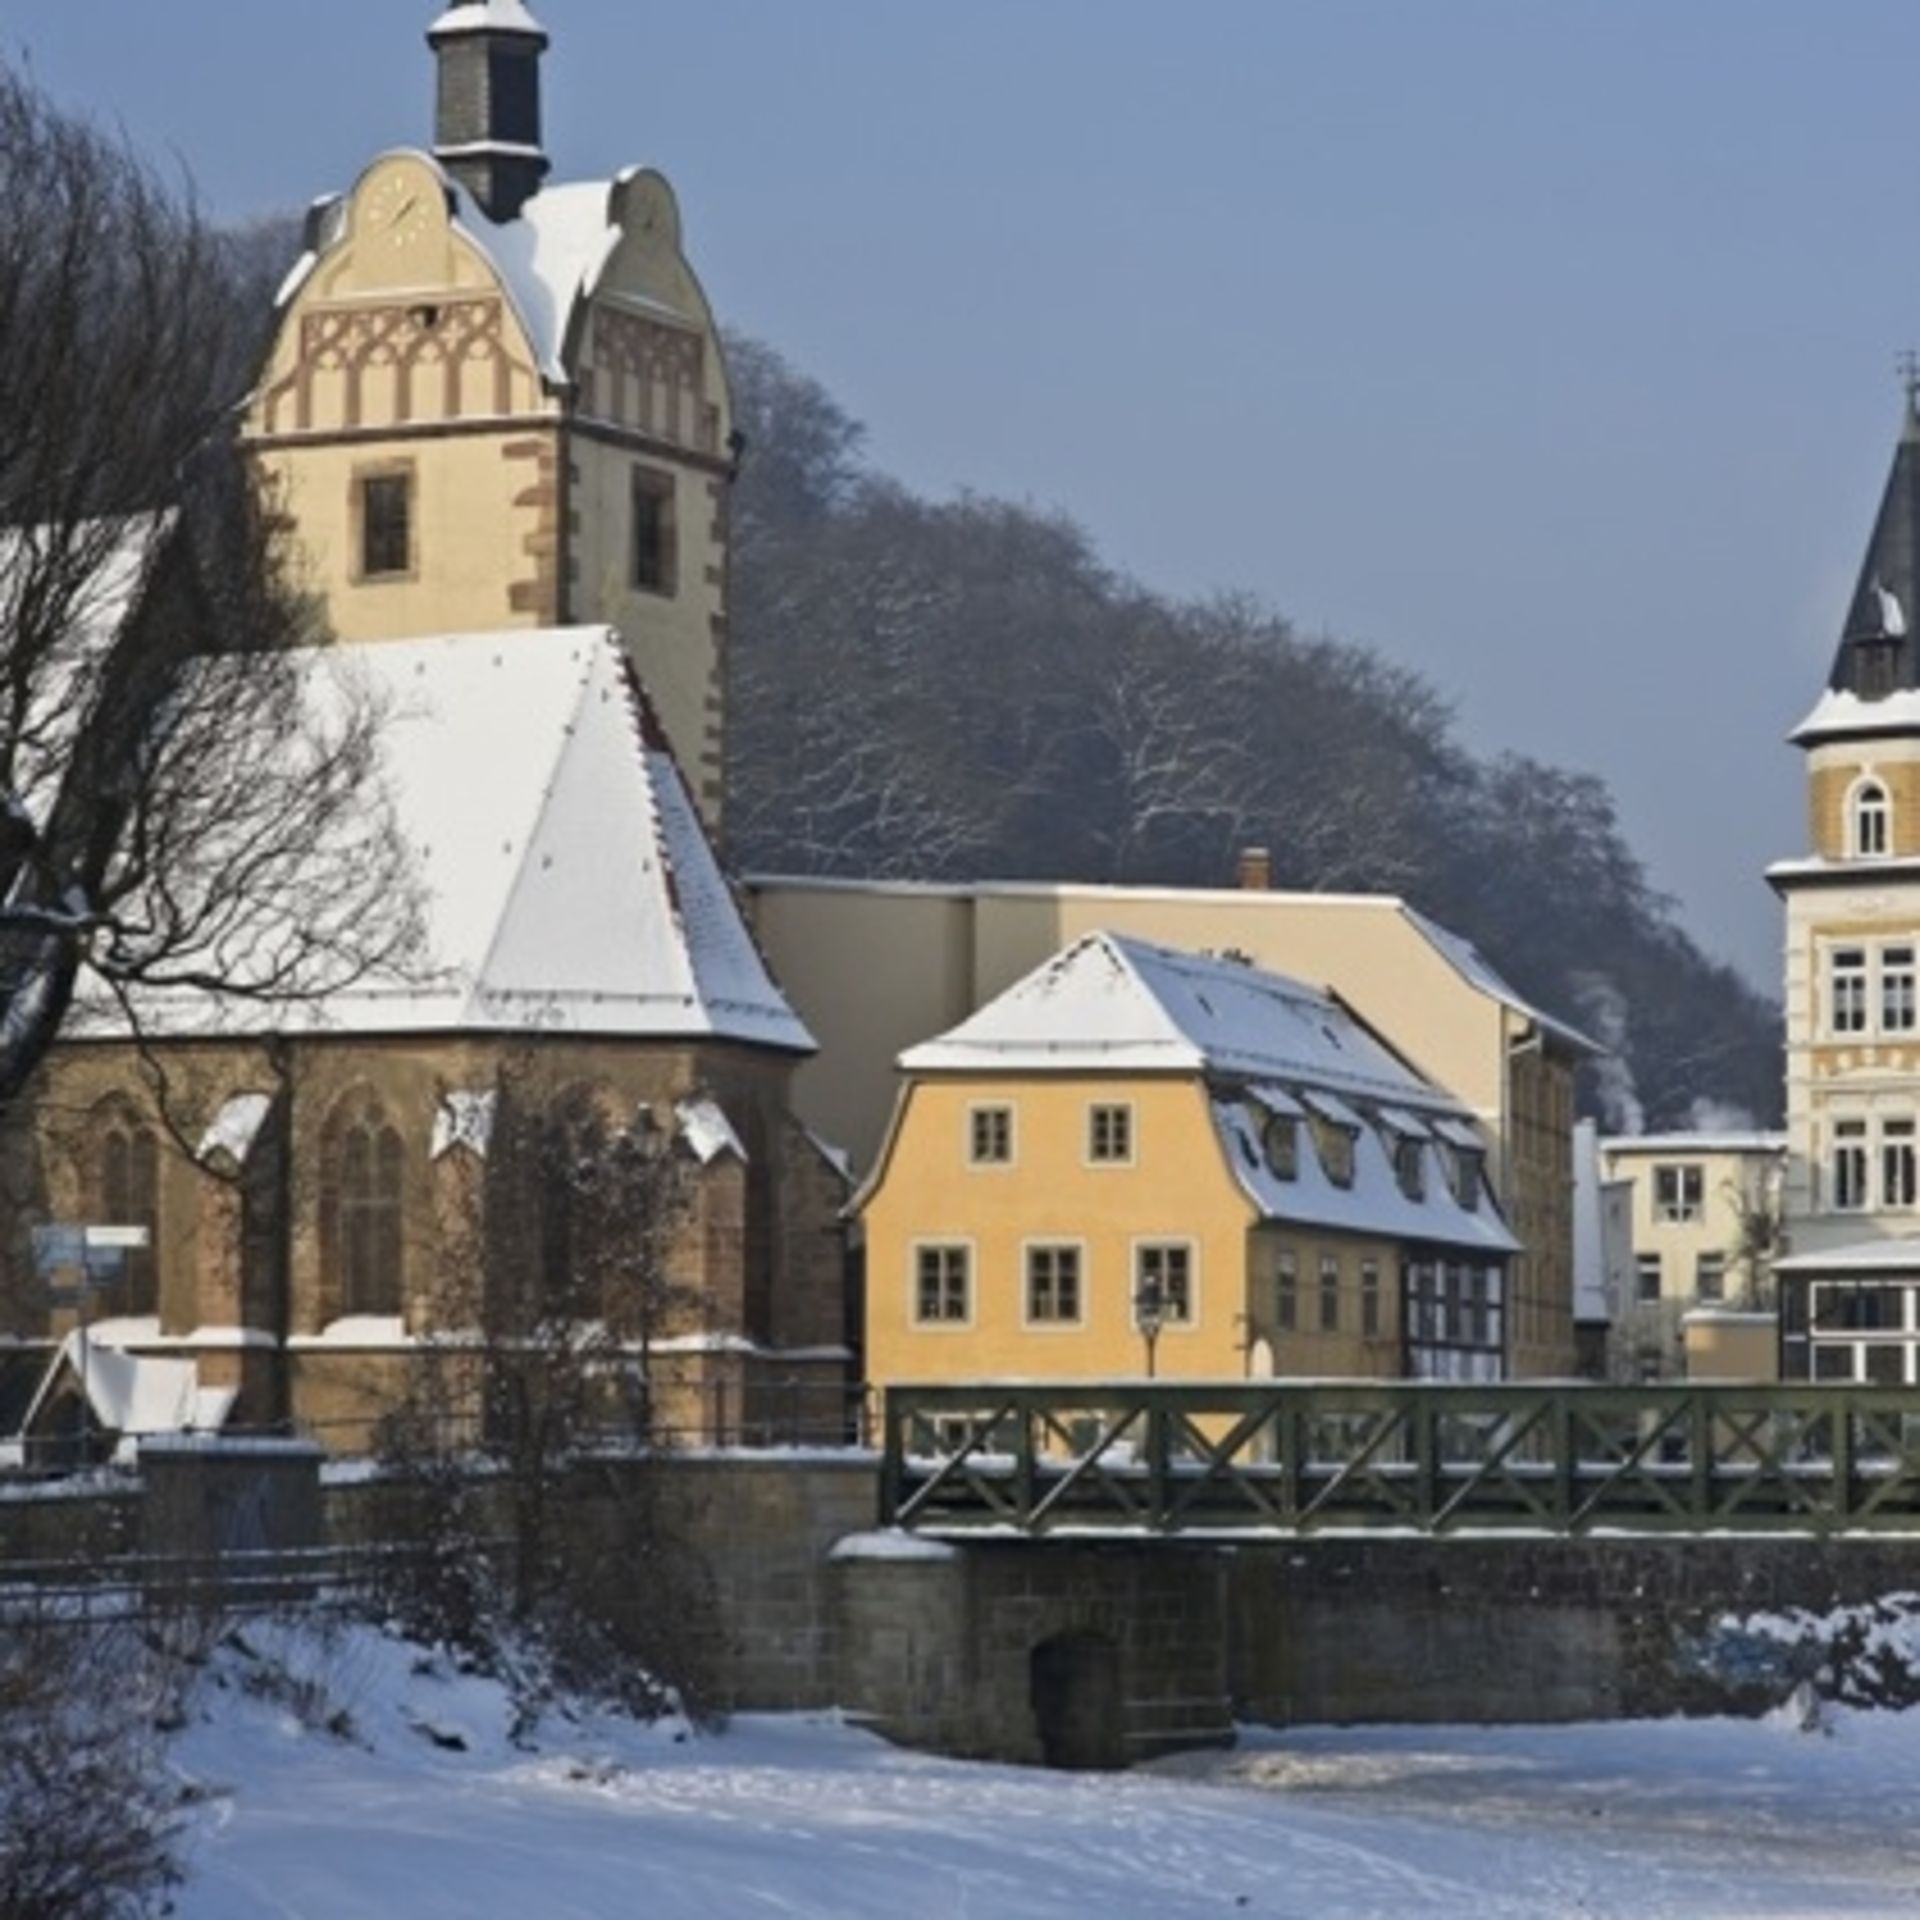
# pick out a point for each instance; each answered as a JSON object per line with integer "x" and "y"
{"x": 1286, "y": 1291}
{"x": 1898, "y": 1187}
{"x": 990, "y": 1136}
{"x": 1849, "y": 1165}
{"x": 1847, "y": 989}
{"x": 1163, "y": 1270}
{"x": 1896, "y": 989}
{"x": 1110, "y": 1134}
{"x": 943, "y": 1283}
{"x": 1870, "y": 818}
{"x": 1370, "y": 1298}
{"x": 1054, "y": 1296}
{"x": 1329, "y": 1293}
{"x": 1677, "y": 1193}
{"x": 1710, "y": 1276}
{"x": 1646, "y": 1278}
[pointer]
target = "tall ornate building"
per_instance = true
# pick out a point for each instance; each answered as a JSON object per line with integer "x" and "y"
{"x": 495, "y": 420}
{"x": 493, "y": 402}
{"x": 1850, "y": 1289}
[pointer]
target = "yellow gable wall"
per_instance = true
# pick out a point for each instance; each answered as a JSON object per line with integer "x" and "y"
{"x": 403, "y": 352}
{"x": 1177, "y": 1188}
{"x": 652, "y": 394}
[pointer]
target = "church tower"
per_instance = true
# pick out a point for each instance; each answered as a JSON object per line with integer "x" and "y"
{"x": 1850, "y": 1286}
{"x": 493, "y": 402}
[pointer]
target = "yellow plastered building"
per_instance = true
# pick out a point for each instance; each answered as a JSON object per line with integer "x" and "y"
{"x": 876, "y": 966}
{"x": 494, "y": 403}
{"x": 1137, "y": 1159}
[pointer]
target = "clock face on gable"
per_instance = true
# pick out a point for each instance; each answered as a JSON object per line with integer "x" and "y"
{"x": 399, "y": 211}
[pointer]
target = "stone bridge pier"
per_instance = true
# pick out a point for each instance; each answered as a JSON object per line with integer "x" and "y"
{"x": 1077, "y": 1654}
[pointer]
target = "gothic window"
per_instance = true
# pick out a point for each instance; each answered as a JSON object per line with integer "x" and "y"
{"x": 1871, "y": 820}
{"x": 656, "y": 559}
{"x": 362, "y": 1188}
{"x": 383, "y": 509}
{"x": 126, "y": 1193}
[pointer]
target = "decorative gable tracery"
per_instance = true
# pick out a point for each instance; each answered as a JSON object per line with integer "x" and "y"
{"x": 393, "y": 364}
{"x": 649, "y": 375}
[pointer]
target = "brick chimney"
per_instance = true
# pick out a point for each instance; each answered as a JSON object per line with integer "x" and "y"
{"x": 1256, "y": 870}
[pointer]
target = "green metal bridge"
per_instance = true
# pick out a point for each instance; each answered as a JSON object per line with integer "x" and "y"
{"x": 1304, "y": 1458}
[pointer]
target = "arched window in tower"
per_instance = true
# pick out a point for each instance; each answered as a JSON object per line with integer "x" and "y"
{"x": 362, "y": 1208}
{"x": 1872, "y": 816}
{"x": 126, "y": 1193}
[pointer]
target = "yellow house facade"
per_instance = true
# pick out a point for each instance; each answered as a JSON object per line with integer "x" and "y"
{"x": 874, "y": 967}
{"x": 1704, "y": 1214}
{"x": 493, "y": 403}
{"x": 1137, "y": 1160}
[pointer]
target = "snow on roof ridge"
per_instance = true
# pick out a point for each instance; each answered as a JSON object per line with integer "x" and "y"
{"x": 1153, "y": 1009}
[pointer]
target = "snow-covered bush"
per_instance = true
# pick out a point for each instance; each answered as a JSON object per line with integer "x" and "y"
{"x": 88, "y": 1809}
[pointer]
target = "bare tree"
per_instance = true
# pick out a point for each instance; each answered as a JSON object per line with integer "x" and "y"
{"x": 88, "y": 1810}
{"x": 529, "y": 1420}
{"x": 180, "y": 806}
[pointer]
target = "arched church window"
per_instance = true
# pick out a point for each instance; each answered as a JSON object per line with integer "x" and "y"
{"x": 126, "y": 1193}
{"x": 1872, "y": 820}
{"x": 362, "y": 1208}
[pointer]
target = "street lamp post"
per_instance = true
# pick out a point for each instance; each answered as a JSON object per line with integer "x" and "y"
{"x": 1149, "y": 1314}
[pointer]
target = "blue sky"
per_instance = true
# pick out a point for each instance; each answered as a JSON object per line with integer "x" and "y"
{"x": 1548, "y": 348}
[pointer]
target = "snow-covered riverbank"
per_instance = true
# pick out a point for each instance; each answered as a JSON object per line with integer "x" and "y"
{"x": 425, "y": 1809}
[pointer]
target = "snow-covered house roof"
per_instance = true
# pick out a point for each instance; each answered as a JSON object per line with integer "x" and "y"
{"x": 134, "y": 1393}
{"x": 1269, "y": 1049}
{"x": 1695, "y": 1141}
{"x": 1111, "y": 1003}
{"x": 567, "y": 884}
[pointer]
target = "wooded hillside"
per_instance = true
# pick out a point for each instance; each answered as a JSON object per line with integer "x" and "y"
{"x": 964, "y": 689}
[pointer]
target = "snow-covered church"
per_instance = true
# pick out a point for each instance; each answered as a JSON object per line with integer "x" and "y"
{"x": 495, "y": 418}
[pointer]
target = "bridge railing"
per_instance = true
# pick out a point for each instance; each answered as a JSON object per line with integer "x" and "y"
{"x": 1337, "y": 1456}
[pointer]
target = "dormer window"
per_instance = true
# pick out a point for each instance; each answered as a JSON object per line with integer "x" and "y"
{"x": 1410, "y": 1167}
{"x": 1870, "y": 820}
{"x": 1466, "y": 1177}
{"x": 1335, "y": 1144}
{"x": 1282, "y": 1142}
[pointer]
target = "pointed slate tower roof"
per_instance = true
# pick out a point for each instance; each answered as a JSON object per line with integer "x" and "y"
{"x": 1876, "y": 655}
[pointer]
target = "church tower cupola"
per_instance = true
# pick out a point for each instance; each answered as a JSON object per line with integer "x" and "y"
{"x": 1877, "y": 652}
{"x": 487, "y": 126}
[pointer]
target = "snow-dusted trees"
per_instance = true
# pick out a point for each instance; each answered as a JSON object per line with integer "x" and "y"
{"x": 519, "y": 1450}
{"x": 956, "y": 689}
{"x": 173, "y": 809}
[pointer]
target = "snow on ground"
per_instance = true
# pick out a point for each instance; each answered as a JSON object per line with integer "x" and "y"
{"x": 418, "y": 1804}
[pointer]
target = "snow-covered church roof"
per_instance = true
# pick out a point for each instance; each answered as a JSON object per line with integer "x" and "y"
{"x": 567, "y": 884}
{"x": 1110, "y": 1003}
